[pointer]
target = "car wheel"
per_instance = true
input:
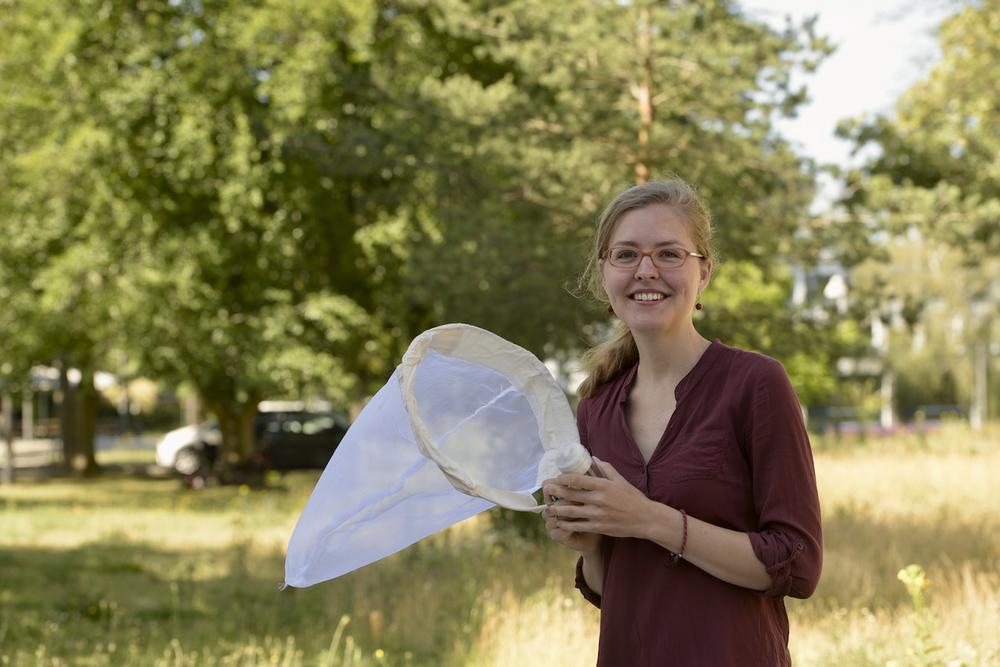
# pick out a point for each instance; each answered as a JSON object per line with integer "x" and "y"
{"x": 189, "y": 461}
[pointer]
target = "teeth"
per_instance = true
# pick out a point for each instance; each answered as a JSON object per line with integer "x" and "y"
{"x": 647, "y": 296}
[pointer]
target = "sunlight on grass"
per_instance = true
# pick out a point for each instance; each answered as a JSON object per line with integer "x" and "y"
{"x": 552, "y": 626}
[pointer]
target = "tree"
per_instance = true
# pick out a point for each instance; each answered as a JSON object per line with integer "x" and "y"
{"x": 55, "y": 265}
{"x": 179, "y": 207}
{"x": 930, "y": 201}
{"x": 266, "y": 198}
{"x": 538, "y": 113}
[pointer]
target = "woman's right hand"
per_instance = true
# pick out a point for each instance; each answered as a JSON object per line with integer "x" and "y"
{"x": 561, "y": 531}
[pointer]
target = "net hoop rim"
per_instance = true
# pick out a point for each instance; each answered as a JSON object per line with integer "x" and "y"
{"x": 525, "y": 373}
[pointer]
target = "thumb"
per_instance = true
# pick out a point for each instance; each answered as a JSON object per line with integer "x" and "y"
{"x": 608, "y": 469}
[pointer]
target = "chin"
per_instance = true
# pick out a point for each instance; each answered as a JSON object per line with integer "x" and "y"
{"x": 650, "y": 324}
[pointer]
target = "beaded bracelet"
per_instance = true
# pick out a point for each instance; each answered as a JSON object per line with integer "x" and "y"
{"x": 675, "y": 557}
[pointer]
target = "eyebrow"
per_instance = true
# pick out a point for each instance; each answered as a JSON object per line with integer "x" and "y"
{"x": 656, "y": 245}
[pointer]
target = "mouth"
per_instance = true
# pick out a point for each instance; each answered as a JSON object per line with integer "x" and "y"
{"x": 647, "y": 296}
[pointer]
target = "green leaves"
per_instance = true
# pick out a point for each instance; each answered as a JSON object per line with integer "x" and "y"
{"x": 269, "y": 198}
{"x": 931, "y": 202}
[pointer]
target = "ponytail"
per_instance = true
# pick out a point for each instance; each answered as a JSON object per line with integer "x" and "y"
{"x": 608, "y": 360}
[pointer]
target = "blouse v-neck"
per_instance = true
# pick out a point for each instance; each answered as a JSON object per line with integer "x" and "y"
{"x": 683, "y": 388}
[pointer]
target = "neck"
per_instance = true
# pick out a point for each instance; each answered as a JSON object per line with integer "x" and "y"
{"x": 664, "y": 359}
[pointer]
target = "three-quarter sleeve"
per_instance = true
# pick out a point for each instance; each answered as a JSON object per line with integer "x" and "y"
{"x": 788, "y": 539}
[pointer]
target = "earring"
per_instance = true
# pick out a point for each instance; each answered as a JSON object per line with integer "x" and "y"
{"x": 697, "y": 305}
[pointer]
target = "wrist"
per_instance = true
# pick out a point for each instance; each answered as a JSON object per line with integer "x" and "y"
{"x": 657, "y": 523}
{"x": 666, "y": 527}
{"x": 676, "y": 555}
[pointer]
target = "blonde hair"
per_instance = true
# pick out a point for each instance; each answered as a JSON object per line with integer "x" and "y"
{"x": 607, "y": 360}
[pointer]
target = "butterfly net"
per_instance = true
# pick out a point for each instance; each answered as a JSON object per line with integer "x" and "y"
{"x": 468, "y": 420}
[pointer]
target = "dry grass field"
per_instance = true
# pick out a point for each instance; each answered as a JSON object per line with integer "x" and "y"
{"x": 130, "y": 571}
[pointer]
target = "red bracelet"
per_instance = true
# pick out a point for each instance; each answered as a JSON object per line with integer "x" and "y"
{"x": 674, "y": 557}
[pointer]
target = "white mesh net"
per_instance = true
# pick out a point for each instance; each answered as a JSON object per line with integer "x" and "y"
{"x": 467, "y": 420}
{"x": 477, "y": 419}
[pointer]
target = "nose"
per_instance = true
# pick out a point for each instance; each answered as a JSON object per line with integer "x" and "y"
{"x": 646, "y": 268}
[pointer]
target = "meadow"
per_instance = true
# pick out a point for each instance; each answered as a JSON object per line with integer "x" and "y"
{"x": 129, "y": 570}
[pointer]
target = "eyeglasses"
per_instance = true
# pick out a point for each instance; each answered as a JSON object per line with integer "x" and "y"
{"x": 627, "y": 257}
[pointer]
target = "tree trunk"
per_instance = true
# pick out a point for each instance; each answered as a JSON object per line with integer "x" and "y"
{"x": 887, "y": 411}
{"x": 28, "y": 416}
{"x": 7, "y": 422}
{"x": 980, "y": 397}
{"x": 192, "y": 408}
{"x": 78, "y": 421}
{"x": 89, "y": 401}
{"x": 236, "y": 422}
{"x": 68, "y": 416}
{"x": 643, "y": 93}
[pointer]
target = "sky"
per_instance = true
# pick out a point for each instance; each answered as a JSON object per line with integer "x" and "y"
{"x": 883, "y": 47}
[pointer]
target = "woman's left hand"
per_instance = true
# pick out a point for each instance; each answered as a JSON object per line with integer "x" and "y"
{"x": 609, "y": 506}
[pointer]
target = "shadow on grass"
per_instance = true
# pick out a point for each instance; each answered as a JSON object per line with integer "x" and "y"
{"x": 146, "y": 599}
{"x": 58, "y": 471}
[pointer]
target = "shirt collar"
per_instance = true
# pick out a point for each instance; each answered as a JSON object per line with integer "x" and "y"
{"x": 705, "y": 362}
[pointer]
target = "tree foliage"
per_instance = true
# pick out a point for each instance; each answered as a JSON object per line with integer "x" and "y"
{"x": 272, "y": 198}
{"x": 930, "y": 201}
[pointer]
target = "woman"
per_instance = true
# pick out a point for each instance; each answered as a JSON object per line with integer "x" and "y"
{"x": 708, "y": 515}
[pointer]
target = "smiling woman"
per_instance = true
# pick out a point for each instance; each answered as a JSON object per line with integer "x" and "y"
{"x": 708, "y": 516}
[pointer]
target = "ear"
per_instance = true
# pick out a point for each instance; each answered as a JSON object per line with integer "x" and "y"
{"x": 706, "y": 275}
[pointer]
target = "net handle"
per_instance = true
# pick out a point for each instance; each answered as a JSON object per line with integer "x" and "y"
{"x": 520, "y": 367}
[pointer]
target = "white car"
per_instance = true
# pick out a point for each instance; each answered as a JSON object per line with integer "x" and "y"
{"x": 288, "y": 435}
{"x": 183, "y": 449}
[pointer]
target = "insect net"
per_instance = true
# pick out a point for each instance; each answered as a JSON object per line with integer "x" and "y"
{"x": 467, "y": 420}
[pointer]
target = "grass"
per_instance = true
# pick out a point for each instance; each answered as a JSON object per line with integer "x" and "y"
{"x": 888, "y": 504}
{"x": 133, "y": 571}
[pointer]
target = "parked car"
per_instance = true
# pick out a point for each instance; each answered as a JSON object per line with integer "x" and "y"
{"x": 284, "y": 439}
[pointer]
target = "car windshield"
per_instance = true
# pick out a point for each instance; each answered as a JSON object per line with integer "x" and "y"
{"x": 300, "y": 423}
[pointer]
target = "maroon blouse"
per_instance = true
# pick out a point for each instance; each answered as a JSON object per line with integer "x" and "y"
{"x": 735, "y": 454}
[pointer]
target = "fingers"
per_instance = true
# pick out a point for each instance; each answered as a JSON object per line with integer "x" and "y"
{"x": 564, "y": 536}
{"x": 552, "y": 492}
{"x": 552, "y": 524}
{"x": 574, "y": 483}
{"x": 588, "y": 482}
{"x": 608, "y": 470}
{"x": 555, "y": 531}
{"x": 578, "y": 535}
{"x": 585, "y": 482}
{"x": 567, "y": 512}
{"x": 559, "y": 493}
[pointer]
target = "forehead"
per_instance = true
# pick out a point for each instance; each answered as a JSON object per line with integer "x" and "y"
{"x": 652, "y": 225}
